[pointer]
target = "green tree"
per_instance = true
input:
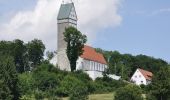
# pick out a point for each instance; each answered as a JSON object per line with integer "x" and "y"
{"x": 160, "y": 86}
{"x": 49, "y": 55}
{"x": 35, "y": 50}
{"x": 129, "y": 92}
{"x": 75, "y": 42}
{"x": 8, "y": 75}
{"x": 80, "y": 92}
{"x": 44, "y": 78}
{"x": 5, "y": 93}
{"x": 26, "y": 83}
{"x": 19, "y": 52}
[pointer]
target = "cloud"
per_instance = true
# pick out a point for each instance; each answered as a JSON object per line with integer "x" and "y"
{"x": 160, "y": 11}
{"x": 41, "y": 22}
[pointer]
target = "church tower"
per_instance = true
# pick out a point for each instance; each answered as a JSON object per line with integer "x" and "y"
{"x": 67, "y": 17}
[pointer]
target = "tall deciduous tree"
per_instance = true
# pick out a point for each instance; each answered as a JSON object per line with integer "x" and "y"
{"x": 75, "y": 42}
{"x": 8, "y": 75}
{"x": 160, "y": 86}
{"x": 19, "y": 52}
{"x": 35, "y": 50}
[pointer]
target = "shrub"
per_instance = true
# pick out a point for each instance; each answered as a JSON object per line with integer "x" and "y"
{"x": 80, "y": 92}
{"x": 129, "y": 92}
{"x": 106, "y": 84}
{"x": 71, "y": 84}
{"x": 45, "y": 80}
{"x": 25, "y": 83}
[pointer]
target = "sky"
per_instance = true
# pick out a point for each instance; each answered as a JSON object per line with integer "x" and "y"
{"x": 128, "y": 26}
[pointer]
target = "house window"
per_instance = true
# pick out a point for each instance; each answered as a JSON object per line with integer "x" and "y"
{"x": 142, "y": 82}
{"x": 140, "y": 76}
{"x": 135, "y": 76}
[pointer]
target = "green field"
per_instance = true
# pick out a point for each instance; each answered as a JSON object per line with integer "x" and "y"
{"x": 99, "y": 97}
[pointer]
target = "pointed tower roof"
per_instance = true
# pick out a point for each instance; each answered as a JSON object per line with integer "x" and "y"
{"x": 65, "y": 10}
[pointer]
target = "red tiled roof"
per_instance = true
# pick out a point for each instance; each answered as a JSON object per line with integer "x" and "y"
{"x": 148, "y": 75}
{"x": 90, "y": 54}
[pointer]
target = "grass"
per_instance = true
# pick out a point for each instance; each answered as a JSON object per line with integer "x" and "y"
{"x": 109, "y": 96}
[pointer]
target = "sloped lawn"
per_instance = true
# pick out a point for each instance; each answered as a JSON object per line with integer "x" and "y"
{"x": 109, "y": 96}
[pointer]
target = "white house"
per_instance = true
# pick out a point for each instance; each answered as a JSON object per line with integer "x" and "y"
{"x": 92, "y": 62}
{"x": 141, "y": 77}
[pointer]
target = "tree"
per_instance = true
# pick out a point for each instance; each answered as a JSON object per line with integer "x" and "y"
{"x": 5, "y": 93}
{"x": 75, "y": 42}
{"x": 160, "y": 86}
{"x": 8, "y": 75}
{"x": 35, "y": 50}
{"x": 80, "y": 92}
{"x": 44, "y": 78}
{"x": 129, "y": 92}
{"x": 49, "y": 55}
{"x": 18, "y": 52}
{"x": 26, "y": 83}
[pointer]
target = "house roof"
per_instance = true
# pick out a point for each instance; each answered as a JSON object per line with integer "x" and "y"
{"x": 148, "y": 75}
{"x": 65, "y": 10}
{"x": 91, "y": 54}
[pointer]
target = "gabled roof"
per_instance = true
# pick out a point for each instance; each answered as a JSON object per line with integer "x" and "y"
{"x": 91, "y": 54}
{"x": 148, "y": 75}
{"x": 65, "y": 10}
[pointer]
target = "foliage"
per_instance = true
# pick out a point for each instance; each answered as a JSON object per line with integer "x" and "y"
{"x": 35, "y": 51}
{"x": 106, "y": 84}
{"x": 23, "y": 54}
{"x": 129, "y": 92}
{"x": 49, "y": 55}
{"x": 125, "y": 65}
{"x": 79, "y": 92}
{"x": 4, "y": 91}
{"x": 160, "y": 86}
{"x": 26, "y": 83}
{"x": 75, "y": 42}
{"x": 17, "y": 50}
{"x": 8, "y": 76}
{"x": 44, "y": 79}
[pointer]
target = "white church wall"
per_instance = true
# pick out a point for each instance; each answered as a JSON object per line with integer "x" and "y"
{"x": 94, "y": 74}
{"x": 92, "y": 68}
{"x": 138, "y": 78}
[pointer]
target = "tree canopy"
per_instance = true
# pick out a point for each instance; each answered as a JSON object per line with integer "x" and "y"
{"x": 8, "y": 77}
{"x": 160, "y": 86}
{"x": 75, "y": 42}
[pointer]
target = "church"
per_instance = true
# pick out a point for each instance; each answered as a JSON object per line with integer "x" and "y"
{"x": 91, "y": 62}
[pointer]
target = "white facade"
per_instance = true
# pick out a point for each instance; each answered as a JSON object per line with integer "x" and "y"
{"x": 92, "y": 68}
{"x": 138, "y": 78}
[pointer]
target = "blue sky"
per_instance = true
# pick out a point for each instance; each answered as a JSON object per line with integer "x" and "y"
{"x": 144, "y": 29}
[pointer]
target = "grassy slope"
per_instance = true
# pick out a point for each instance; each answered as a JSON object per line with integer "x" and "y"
{"x": 99, "y": 97}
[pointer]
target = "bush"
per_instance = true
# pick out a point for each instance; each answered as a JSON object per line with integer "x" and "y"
{"x": 80, "y": 92}
{"x": 150, "y": 97}
{"x": 25, "y": 83}
{"x": 71, "y": 84}
{"x": 129, "y": 92}
{"x": 106, "y": 84}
